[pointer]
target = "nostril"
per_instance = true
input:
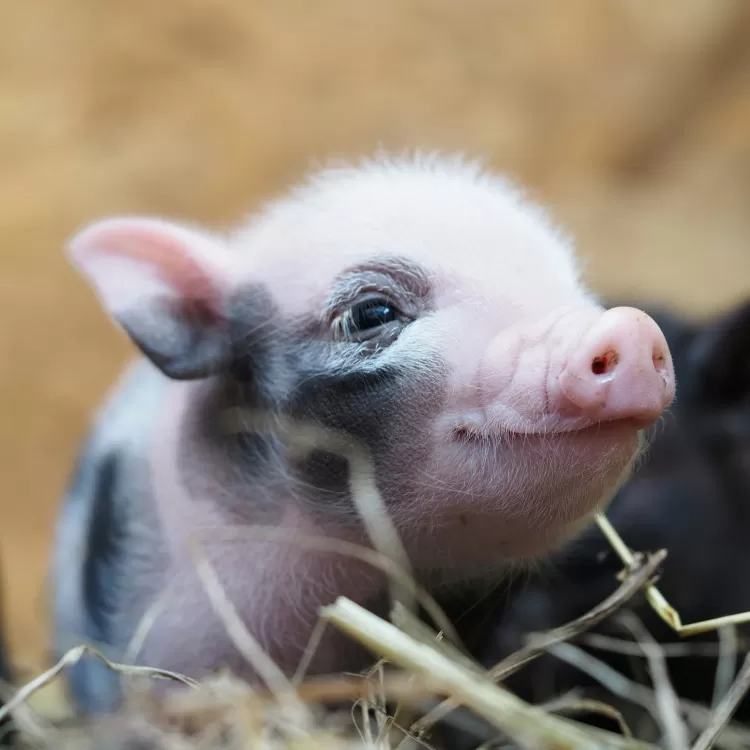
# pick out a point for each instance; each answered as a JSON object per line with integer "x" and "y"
{"x": 599, "y": 366}
{"x": 659, "y": 360}
{"x": 604, "y": 363}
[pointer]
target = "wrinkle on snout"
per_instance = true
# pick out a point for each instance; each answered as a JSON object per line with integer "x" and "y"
{"x": 516, "y": 374}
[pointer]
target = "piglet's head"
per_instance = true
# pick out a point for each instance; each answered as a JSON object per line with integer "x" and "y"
{"x": 417, "y": 305}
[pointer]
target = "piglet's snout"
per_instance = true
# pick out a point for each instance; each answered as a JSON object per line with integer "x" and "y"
{"x": 620, "y": 369}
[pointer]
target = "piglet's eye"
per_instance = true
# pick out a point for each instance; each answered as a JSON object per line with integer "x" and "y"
{"x": 366, "y": 319}
{"x": 371, "y": 314}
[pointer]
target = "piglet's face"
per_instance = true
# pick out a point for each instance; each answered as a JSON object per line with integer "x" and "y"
{"x": 420, "y": 307}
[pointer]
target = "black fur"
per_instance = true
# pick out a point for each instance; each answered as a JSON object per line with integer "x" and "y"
{"x": 108, "y": 537}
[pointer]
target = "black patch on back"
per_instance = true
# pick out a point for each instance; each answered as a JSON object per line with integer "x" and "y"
{"x": 103, "y": 551}
{"x": 94, "y": 616}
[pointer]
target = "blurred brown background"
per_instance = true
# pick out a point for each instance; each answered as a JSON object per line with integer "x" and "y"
{"x": 630, "y": 118}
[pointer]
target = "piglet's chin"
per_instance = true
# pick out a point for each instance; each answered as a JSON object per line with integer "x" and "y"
{"x": 521, "y": 495}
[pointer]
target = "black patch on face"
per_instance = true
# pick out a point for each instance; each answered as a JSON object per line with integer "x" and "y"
{"x": 229, "y": 465}
{"x": 300, "y": 370}
{"x": 388, "y": 409}
{"x": 253, "y": 450}
{"x": 233, "y": 462}
{"x": 360, "y": 401}
{"x": 368, "y": 405}
{"x": 325, "y": 477}
{"x": 257, "y": 330}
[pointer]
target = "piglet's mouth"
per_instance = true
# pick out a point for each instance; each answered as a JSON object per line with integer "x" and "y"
{"x": 467, "y": 433}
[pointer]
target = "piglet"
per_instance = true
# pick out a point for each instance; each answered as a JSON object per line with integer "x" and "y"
{"x": 420, "y": 306}
{"x": 689, "y": 494}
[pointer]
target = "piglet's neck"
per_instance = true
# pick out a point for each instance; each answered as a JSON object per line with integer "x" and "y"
{"x": 311, "y": 576}
{"x": 183, "y": 513}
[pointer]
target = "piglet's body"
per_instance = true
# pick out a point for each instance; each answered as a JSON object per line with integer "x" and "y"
{"x": 420, "y": 308}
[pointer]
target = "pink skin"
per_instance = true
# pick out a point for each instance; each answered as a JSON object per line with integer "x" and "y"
{"x": 622, "y": 370}
{"x": 532, "y": 426}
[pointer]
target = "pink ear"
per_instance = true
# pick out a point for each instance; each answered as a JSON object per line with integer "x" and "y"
{"x": 127, "y": 260}
{"x": 166, "y": 285}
